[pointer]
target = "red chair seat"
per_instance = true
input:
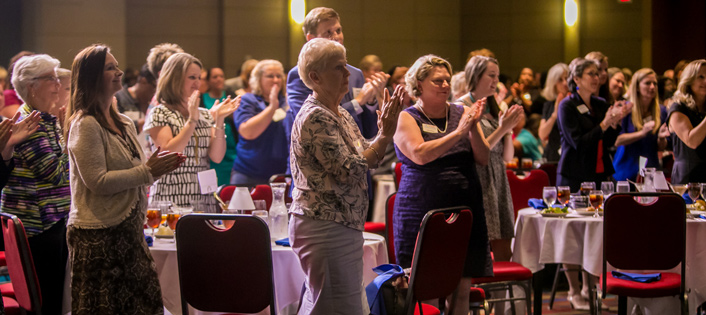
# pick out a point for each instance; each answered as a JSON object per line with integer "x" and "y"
{"x": 667, "y": 286}
{"x": 12, "y": 307}
{"x": 427, "y": 309}
{"x": 505, "y": 271}
{"x": 375, "y": 227}
{"x": 3, "y": 262}
{"x": 477, "y": 295}
{"x": 7, "y": 290}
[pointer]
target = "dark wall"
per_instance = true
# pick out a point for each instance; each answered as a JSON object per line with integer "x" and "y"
{"x": 678, "y": 32}
{"x": 10, "y": 30}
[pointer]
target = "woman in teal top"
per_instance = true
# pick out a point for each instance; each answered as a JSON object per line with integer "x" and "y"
{"x": 215, "y": 79}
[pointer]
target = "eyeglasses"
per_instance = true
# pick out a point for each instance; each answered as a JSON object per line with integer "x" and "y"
{"x": 592, "y": 74}
{"x": 272, "y": 76}
{"x": 48, "y": 78}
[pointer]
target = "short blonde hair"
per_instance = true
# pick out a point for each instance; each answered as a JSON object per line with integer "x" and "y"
{"x": 316, "y": 16}
{"x": 314, "y": 56}
{"x": 369, "y": 62}
{"x": 258, "y": 71}
{"x": 475, "y": 68}
{"x": 63, "y": 73}
{"x": 171, "y": 82}
{"x": 684, "y": 94}
{"x": 27, "y": 69}
{"x": 634, "y": 97}
{"x": 553, "y": 76}
{"x": 159, "y": 55}
{"x": 597, "y": 56}
{"x": 420, "y": 70}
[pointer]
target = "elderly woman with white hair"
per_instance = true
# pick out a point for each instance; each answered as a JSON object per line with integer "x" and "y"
{"x": 438, "y": 145}
{"x": 555, "y": 89}
{"x": 329, "y": 159}
{"x": 262, "y": 144}
{"x": 38, "y": 188}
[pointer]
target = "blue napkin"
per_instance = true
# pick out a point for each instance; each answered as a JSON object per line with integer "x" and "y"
{"x": 536, "y": 203}
{"x": 687, "y": 199}
{"x": 283, "y": 242}
{"x": 637, "y": 277}
{"x": 385, "y": 272}
{"x": 149, "y": 240}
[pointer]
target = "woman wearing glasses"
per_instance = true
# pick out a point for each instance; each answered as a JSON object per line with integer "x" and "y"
{"x": 37, "y": 191}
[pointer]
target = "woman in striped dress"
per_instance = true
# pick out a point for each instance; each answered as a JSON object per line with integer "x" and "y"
{"x": 178, "y": 124}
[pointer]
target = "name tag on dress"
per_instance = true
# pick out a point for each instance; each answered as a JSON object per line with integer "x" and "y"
{"x": 279, "y": 115}
{"x": 429, "y": 128}
{"x": 582, "y": 109}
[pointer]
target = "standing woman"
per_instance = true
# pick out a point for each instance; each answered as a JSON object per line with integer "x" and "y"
{"x": 688, "y": 126}
{"x": 112, "y": 269}
{"x": 482, "y": 76}
{"x": 644, "y": 131}
{"x": 262, "y": 143}
{"x": 178, "y": 124}
{"x": 437, "y": 144}
{"x": 616, "y": 85}
{"x": 555, "y": 89}
{"x": 38, "y": 188}
{"x": 216, "y": 91}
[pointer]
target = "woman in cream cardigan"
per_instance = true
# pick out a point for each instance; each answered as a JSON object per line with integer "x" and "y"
{"x": 113, "y": 271}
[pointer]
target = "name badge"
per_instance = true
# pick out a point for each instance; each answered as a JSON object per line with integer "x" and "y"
{"x": 429, "y": 128}
{"x": 359, "y": 147}
{"x": 279, "y": 115}
{"x": 582, "y": 109}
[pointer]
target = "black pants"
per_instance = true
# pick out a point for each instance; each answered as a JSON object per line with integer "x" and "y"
{"x": 50, "y": 253}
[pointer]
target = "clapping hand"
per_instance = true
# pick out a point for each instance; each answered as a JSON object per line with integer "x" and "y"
{"x": 19, "y": 132}
{"x": 663, "y": 131}
{"x": 225, "y": 108}
{"x": 193, "y": 106}
{"x": 163, "y": 162}
{"x": 511, "y": 117}
{"x": 390, "y": 113}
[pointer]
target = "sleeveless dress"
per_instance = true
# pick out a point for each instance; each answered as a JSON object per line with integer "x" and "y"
{"x": 450, "y": 180}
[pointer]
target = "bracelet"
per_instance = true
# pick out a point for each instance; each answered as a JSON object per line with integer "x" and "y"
{"x": 376, "y": 154}
{"x": 217, "y": 137}
{"x": 223, "y": 126}
{"x": 193, "y": 121}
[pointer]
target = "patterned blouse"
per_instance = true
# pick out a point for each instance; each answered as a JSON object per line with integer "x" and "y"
{"x": 328, "y": 168}
{"x": 38, "y": 190}
{"x": 181, "y": 186}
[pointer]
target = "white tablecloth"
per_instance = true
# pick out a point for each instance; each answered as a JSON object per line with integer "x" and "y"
{"x": 579, "y": 240}
{"x": 288, "y": 274}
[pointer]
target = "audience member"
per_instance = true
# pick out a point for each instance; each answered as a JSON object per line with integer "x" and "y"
{"x": 178, "y": 124}
{"x": 644, "y": 131}
{"x": 525, "y": 144}
{"x": 217, "y": 91}
{"x": 37, "y": 191}
{"x": 370, "y": 65}
{"x": 240, "y": 84}
{"x": 458, "y": 86}
{"x": 4, "y": 78}
{"x": 437, "y": 144}
{"x": 64, "y": 75}
{"x": 602, "y": 61}
{"x": 12, "y": 101}
{"x": 555, "y": 89}
{"x": 688, "y": 126}
{"x": 130, "y": 77}
{"x": 616, "y": 85}
{"x": 133, "y": 101}
{"x": 679, "y": 68}
{"x": 329, "y": 172}
{"x": 262, "y": 143}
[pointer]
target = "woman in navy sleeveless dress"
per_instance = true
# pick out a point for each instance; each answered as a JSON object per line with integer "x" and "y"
{"x": 438, "y": 166}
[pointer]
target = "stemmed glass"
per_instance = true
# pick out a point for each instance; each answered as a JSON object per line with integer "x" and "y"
{"x": 596, "y": 199}
{"x": 154, "y": 214}
{"x": 563, "y": 195}
{"x": 173, "y": 215}
{"x": 608, "y": 188}
{"x": 549, "y": 195}
{"x": 586, "y": 187}
{"x": 695, "y": 190}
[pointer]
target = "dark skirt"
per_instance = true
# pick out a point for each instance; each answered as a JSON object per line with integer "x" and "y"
{"x": 113, "y": 271}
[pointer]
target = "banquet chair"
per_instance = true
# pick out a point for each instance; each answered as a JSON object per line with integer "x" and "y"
{"x": 397, "y": 173}
{"x": 241, "y": 281}
{"x": 262, "y": 192}
{"x": 438, "y": 259}
{"x": 225, "y": 192}
{"x": 389, "y": 231}
{"x": 644, "y": 236}
{"x": 20, "y": 266}
{"x": 550, "y": 169}
{"x": 523, "y": 189}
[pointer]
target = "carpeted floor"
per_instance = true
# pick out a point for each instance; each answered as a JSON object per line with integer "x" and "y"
{"x": 563, "y": 307}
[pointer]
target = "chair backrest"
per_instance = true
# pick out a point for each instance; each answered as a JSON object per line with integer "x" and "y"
{"x": 20, "y": 264}
{"x": 550, "y": 169}
{"x": 225, "y": 192}
{"x": 262, "y": 192}
{"x": 439, "y": 255}
{"x": 644, "y": 236}
{"x": 389, "y": 229}
{"x": 225, "y": 270}
{"x": 397, "y": 174}
{"x": 529, "y": 187}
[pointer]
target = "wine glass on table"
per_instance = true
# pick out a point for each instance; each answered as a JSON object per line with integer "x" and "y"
{"x": 695, "y": 190}
{"x": 608, "y": 188}
{"x": 595, "y": 197}
{"x": 549, "y": 195}
{"x": 154, "y": 215}
{"x": 586, "y": 188}
{"x": 173, "y": 215}
{"x": 563, "y": 195}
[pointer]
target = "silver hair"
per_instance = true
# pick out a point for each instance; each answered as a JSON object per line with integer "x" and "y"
{"x": 28, "y": 68}
{"x": 553, "y": 76}
{"x": 314, "y": 56}
{"x": 576, "y": 68}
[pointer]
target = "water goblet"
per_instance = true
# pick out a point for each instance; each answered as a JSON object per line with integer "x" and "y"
{"x": 694, "y": 191}
{"x": 608, "y": 188}
{"x": 549, "y": 195}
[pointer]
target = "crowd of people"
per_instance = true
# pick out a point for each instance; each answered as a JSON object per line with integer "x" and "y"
{"x": 86, "y": 149}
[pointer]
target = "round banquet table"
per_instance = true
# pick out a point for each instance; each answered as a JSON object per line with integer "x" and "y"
{"x": 579, "y": 240}
{"x": 288, "y": 274}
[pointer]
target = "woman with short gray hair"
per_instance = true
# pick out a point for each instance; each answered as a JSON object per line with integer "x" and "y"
{"x": 38, "y": 188}
{"x": 329, "y": 159}
{"x": 555, "y": 89}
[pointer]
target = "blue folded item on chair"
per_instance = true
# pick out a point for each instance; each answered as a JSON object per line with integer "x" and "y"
{"x": 536, "y": 203}
{"x": 637, "y": 277}
{"x": 283, "y": 242}
{"x": 385, "y": 272}
{"x": 149, "y": 240}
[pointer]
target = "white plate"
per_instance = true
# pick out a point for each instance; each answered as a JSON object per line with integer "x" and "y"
{"x": 697, "y": 212}
{"x": 164, "y": 236}
{"x": 553, "y": 215}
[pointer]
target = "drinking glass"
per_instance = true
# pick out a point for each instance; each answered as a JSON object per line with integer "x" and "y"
{"x": 681, "y": 189}
{"x": 563, "y": 194}
{"x": 623, "y": 187}
{"x": 608, "y": 188}
{"x": 173, "y": 215}
{"x": 694, "y": 191}
{"x": 154, "y": 213}
{"x": 586, "y": 187}
{"x": 549, "y": 195}
{"x": 262, "y": 214}
{"x": 578, "y": 202}
{"x": 526, "y": 163}
{"x": 596, "y": 199}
